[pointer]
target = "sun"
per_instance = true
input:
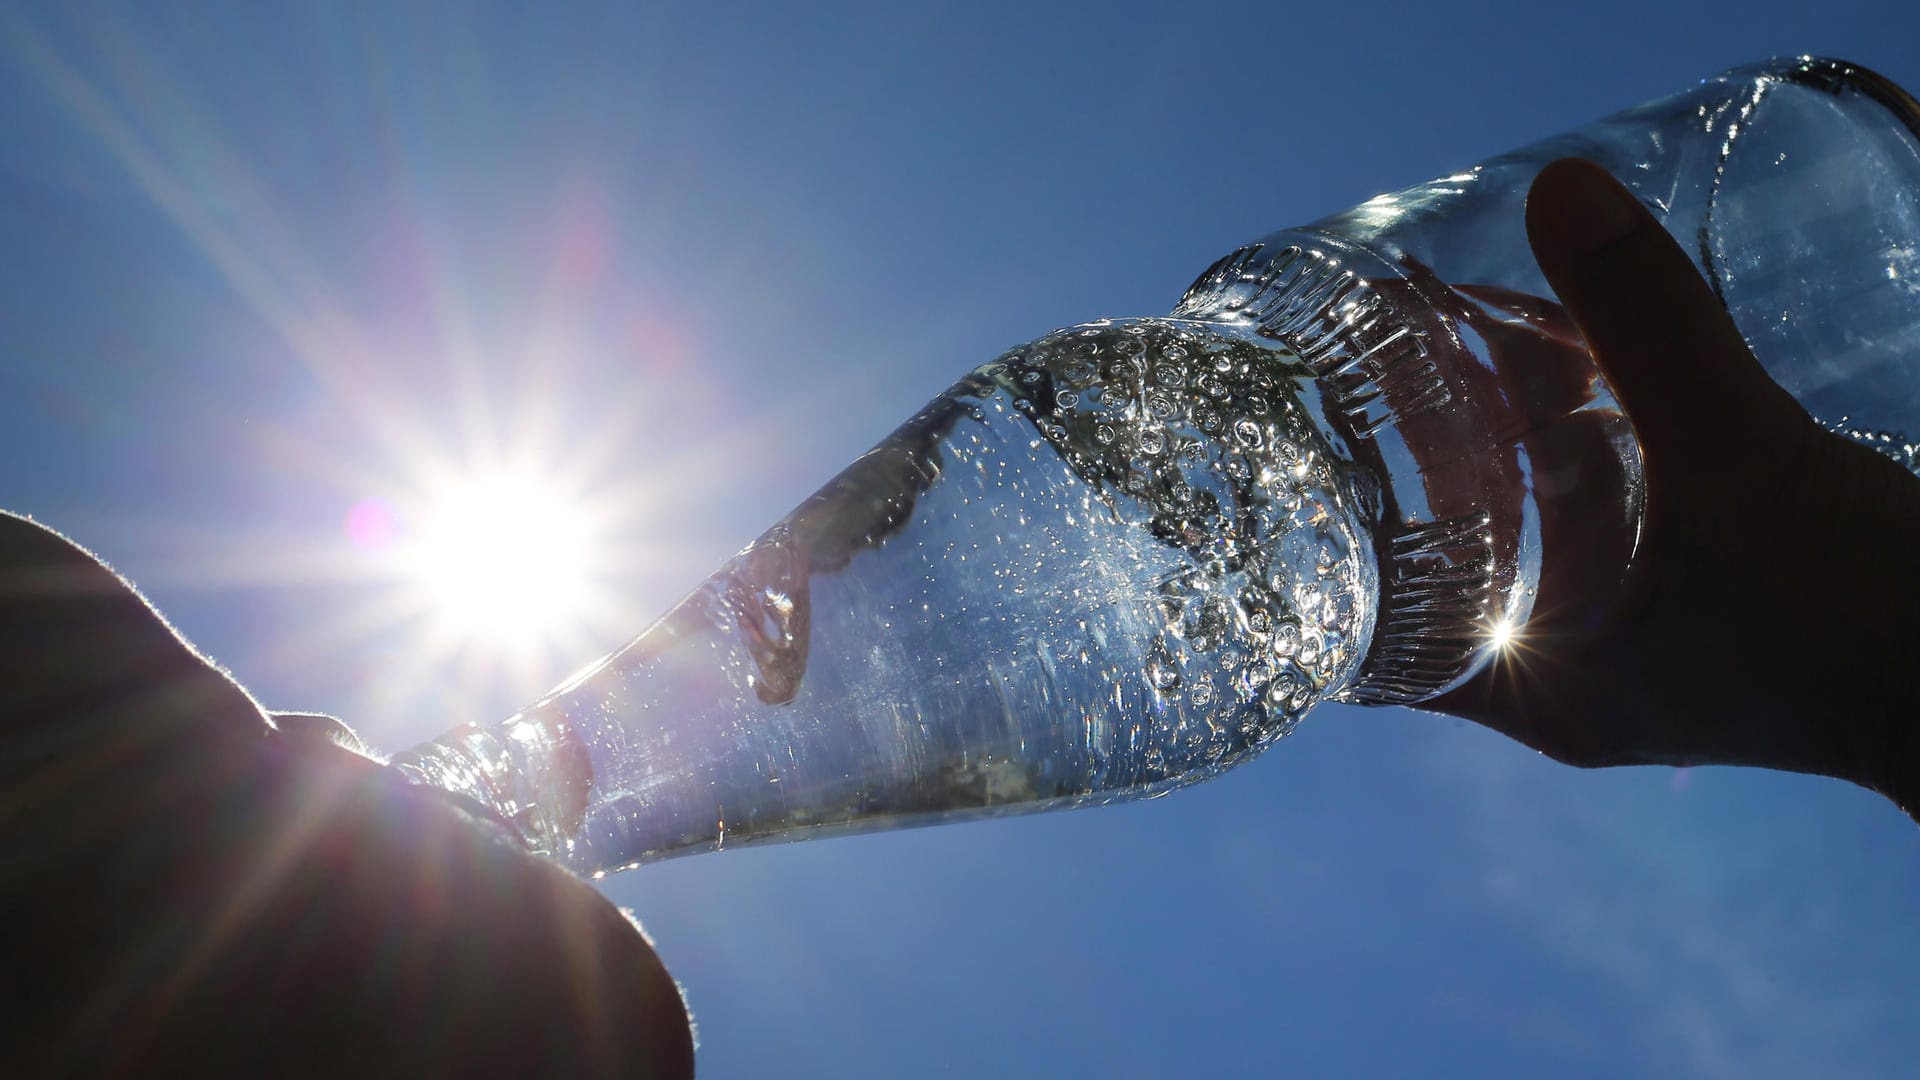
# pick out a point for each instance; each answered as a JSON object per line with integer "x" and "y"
{"x": 485, "y": 577}
{"x": 501, "y": 558}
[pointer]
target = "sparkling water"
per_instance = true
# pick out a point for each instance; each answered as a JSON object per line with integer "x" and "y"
{"x": 1114, "y": 561}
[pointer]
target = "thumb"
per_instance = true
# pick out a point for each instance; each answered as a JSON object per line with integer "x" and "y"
{"x": 1667, "y": 346}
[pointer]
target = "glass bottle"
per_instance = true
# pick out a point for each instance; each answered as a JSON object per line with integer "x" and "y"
{"x": 1130, "y": 554}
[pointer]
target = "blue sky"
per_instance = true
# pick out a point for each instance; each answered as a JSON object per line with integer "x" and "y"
{"x": 263, "y": 271}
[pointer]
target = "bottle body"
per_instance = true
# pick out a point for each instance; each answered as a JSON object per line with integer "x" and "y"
{"x": 1130, "y": 554}
{"x": 1113, "y": 561}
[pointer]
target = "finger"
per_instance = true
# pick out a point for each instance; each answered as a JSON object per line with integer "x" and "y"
{"x": 1668, "y": 347}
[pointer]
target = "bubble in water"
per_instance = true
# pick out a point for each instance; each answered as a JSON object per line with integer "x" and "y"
{"x": 1254, "y": 676}
{"x": 1247, "y": 433}
{"x": 1309, "y": 652}
{"x": 1286, "y": 639}
{"x": 1259, "y": 623}
{"x": 1281, "y": 690}
{"x": 1306, "y": 600}
{"x": 1302, "y": 696}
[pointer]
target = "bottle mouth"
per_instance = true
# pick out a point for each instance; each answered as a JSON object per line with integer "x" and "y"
{"x": 527, "y": 777}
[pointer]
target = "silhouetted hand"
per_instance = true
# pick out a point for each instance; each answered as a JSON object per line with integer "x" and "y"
{"x": 190, "y": 889}
{"x": 1768, "y": 617}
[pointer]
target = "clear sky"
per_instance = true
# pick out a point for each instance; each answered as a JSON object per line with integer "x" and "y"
{"x": 274, "y": 281}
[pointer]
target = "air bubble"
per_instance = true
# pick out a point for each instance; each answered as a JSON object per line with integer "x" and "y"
{"x": 1306, "y": 599}
{"x": 1302, "y": 696}
{"x": 1280, "y": 691}
{"x": 1309, "y": 653}
{"x": 1286, "y": 639}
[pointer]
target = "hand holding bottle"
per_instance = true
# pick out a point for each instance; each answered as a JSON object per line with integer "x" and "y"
{"x": 1765, "y": 619}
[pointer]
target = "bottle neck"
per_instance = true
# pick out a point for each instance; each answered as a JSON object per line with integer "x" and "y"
{"x": 1505, "y": 467}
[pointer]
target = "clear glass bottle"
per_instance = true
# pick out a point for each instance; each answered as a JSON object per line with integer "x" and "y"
{"x": 1128, "y": 555}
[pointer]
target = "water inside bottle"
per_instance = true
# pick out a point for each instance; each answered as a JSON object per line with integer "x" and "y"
{"x": 1111, "y": 562}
